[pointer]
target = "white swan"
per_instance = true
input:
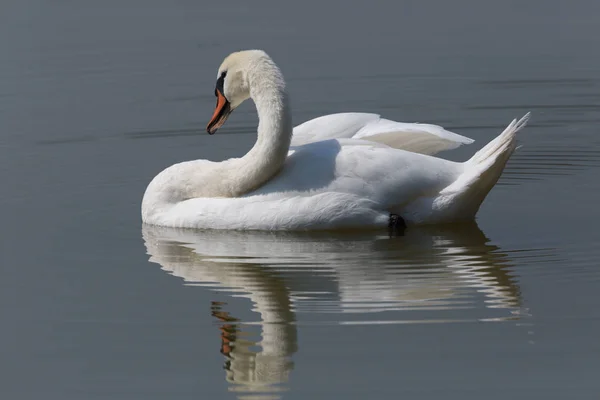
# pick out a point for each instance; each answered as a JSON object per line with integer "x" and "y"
{"x": 336, "y": 183}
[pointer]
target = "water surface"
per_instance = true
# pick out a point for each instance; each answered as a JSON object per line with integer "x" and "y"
{"x": 98, "y": 97}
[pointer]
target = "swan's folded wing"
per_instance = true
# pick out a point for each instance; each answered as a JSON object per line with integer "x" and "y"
{"x": 418, "y": 138}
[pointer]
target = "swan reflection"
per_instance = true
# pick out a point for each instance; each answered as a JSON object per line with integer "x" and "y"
{"x": 431, "y": 274}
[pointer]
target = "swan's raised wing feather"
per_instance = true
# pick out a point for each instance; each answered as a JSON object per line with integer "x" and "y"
{"x": 419, "y": 138}
{"x": 332, "y": 126}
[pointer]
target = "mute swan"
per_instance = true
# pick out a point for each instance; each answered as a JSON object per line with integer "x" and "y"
{"x": 328, "y": 184}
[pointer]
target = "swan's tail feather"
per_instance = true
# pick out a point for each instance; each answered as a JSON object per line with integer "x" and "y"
{"x": 481, "y": 173}
{"x": 504, "y": 143}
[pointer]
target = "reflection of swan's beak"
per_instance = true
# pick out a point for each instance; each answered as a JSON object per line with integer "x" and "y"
{"x": 251, "y": 371}
{"x": 222, "y": 111}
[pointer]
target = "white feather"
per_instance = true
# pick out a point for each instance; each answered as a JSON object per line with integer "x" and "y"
{"x": 419, "y": 138}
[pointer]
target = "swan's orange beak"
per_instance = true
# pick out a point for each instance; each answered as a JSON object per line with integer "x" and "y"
{"x": 222, "y": 111}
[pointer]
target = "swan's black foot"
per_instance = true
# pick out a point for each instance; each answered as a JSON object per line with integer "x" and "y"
{"x": 396, "y": 224}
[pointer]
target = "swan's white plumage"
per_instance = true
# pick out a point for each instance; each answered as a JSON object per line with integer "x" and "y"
{"x": 346, "y": 182}
{"x": 419, "y": 138}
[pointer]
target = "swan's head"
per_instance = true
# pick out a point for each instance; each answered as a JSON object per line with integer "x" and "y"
{"x": 236, "y": 75}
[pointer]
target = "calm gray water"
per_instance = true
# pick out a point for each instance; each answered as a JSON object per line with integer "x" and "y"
{"x": 98, "y": 97}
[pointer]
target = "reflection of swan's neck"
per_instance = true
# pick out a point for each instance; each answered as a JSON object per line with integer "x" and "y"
{"x": 275, "y": 308}
{"x": 257, "y": 371}
{"x": 265, "y": 159}
{"x": 270, "y": 298}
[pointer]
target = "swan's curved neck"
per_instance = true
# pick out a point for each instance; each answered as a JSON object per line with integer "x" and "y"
{"x": 237, "y": 176}
{"x": 265, "y": 159}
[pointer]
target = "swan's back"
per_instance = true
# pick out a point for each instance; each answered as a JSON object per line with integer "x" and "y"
{"x": 324, "y": 185}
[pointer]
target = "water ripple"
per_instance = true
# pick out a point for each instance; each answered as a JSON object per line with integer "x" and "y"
{"x": 535, "y": 163}
{"x": 551, "y": 83}
{"x": 164, "y": 133}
